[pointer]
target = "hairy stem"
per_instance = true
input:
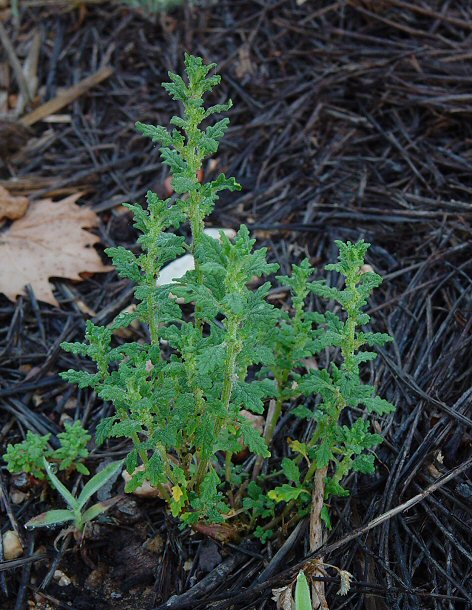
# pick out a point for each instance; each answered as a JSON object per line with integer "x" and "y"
{"x": 232, "y": 351}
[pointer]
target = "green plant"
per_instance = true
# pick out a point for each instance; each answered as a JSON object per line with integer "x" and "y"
{"x": 73, "y": 448}
{"x": 28, "y": 456}
{"x": 293, "y": 342}
{"x": 302, "y": 593}
{"x": 76, "y": 513}
{"x": 332, "y": 446}
{"x": 180, "y": 398}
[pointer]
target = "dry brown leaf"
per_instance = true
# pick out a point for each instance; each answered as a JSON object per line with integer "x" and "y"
{"x": 283, "y": 598}
{"x": 223, "y": 532}
{"x": 49, "y": 241}
{"x": 12, "y": 207}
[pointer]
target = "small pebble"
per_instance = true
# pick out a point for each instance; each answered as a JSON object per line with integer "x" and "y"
{"x": 65, "y": 419}
{"x": 17, "y": 496}
{"x": 21, "y": 481}
{"x": 128, "y": 511}
{"x": 62, "y": 579}
{"x": 12, "y": 548}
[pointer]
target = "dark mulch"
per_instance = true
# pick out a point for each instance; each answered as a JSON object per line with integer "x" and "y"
{"x": 352, "y": 119}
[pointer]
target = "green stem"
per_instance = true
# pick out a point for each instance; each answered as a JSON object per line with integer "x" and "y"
{"x": 153, "y": 331}
{"x": 269, "y": 432}
{"x": 275, "y": 418}
{"x": 228, "y": 457}
{"x": 233, "y": 349}
{"x": 284, "y": 375}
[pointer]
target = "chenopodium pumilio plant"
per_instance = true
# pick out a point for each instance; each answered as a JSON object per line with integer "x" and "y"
{"x": 331, "y": 447}
{"x": 179, "y": 397}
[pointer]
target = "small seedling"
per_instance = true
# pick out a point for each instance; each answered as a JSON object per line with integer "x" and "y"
{"x": 76, "y": 514}
{"x": 302, "y": 593}
{"x": 28, "y": 456}
{"x": 334, "y": 448}
{"x": 73, "y": 448}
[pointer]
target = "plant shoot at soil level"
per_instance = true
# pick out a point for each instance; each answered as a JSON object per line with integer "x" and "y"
{"x": 76, "y": 512}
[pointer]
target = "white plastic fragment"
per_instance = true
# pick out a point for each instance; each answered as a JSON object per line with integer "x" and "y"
{"x": 175, "y": 270}
{"x": 215, "y": 233}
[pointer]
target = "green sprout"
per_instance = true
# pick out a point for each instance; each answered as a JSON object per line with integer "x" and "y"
{"x": 76, "y": 513}
{"x": 302, "y": 593}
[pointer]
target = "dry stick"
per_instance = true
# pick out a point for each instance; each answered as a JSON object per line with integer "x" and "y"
{"x": 18, "y": 563}
{"x": 207, "y": 584}
{"x": 462, "y": 23}
{"x": 66, "y": 97}
{"x": 15, "y": 63}
{"x": 4, "y": 499}
{"x": 316, "y": 536}
{"x": 280, "y": 556}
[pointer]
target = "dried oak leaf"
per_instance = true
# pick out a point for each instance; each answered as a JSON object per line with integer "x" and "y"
{"x": 49, "y": 241}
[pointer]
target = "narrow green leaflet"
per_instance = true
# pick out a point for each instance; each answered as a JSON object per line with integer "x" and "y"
{"x": 323, "y": 455}
{"x": 98, "y": 481}
{"x": 285, "y": 493}
{"x": 104, "y": 429}
{"x": 211, "y": 358}
{"x": 51, "y": 518}
{"x": 252, "y": 438}
{"x": 65, "y": 493}
{"x": 302, "y": 593}
{"x": 251, "y": 395}
{"x": 291, "y": 470}
{"x": 364, "y": 463}
{"x": 98, "y": 509}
